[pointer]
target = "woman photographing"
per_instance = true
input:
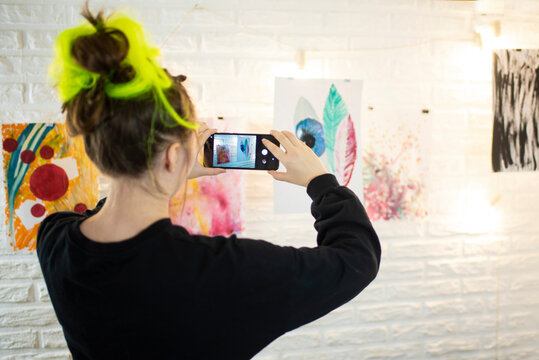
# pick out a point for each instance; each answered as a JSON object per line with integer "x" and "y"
{"x": 124, "y": 281}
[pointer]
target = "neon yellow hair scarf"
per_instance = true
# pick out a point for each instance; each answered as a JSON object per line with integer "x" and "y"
{"x": 70, "y": 78}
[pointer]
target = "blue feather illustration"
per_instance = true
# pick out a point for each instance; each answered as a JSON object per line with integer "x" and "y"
{"x": 335, "y": 111}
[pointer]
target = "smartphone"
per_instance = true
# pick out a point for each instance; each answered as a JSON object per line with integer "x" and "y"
{"x": 239, "y": 151}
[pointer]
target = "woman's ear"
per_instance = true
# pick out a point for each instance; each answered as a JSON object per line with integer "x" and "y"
{"x": 172, "y": 155}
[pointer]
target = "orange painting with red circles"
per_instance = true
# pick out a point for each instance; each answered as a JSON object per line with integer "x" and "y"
{"x": 45, "y": 171}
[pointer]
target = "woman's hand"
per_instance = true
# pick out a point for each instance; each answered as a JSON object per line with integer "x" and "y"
{"x": 198, "y": 170}
{"x": 302, "y": 164}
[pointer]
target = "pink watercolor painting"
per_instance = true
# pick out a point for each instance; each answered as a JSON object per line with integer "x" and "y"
{"x": 394, "y": 173}
{"x": 210, "y": 205}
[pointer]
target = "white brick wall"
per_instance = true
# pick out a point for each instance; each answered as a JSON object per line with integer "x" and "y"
{"x": 462, "y": 284}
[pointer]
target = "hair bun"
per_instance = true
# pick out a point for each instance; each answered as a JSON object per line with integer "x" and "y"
{"x": 101, "y": 52}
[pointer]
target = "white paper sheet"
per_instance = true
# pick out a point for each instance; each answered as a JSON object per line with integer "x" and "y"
{"x": 300, "y": 99}
{"x": 24, "y": 212}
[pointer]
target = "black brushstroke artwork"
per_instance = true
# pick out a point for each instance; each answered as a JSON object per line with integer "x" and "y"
{"x": 515, "y": 145}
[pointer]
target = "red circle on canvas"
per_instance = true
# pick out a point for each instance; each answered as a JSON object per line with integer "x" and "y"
{"x": 27, "y": 156}
{"x": 49, "y": 182}
{"x": 10, "y": 145}
{"x": 46, "y": 152}
{"x": 37, "y": 210}
{"x": 80, "y": 208}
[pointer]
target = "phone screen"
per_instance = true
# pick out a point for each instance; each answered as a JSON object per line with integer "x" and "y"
{"x": 239, "y": 151}
{"x": 236, "y": 151}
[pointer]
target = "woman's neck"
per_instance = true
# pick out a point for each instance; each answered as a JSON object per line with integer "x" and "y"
{"x": 129, "y": 209}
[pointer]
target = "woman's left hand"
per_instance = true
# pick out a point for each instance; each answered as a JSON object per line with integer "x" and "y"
{"x": 198, "y": 170}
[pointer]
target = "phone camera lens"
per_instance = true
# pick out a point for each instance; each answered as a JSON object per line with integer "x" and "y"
{"x": 264, "y": 151}
{"x": 264, "y": 161}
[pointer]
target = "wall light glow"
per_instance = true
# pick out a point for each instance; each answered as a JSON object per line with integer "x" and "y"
{"x": 487, "y": 35}
{"x": 478, "y": 212}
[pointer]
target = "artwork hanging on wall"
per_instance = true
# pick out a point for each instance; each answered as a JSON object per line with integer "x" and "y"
{"x": 325, "y": 114}
{"x": 45, "y": 171}
{"x": 211, "y": 205}
{"x": 515, "y": 142}
{"x": 394, "y": 168}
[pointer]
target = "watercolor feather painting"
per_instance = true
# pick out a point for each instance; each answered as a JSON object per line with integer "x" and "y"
{"x": 336, "y": 137}
{"x": 45, "y": 171}
{"x": 333, "y": 138}
{"x": 515, "y": 140}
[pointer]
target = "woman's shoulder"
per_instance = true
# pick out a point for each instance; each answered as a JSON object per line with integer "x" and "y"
{"x": 61, "y": 220}
{"x": 57, "y": 218}
{"x": 52, "y": 224}
{"x": 63, "y": 217}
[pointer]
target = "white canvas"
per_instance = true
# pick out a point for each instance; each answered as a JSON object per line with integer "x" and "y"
{"x": 323, "y": 102}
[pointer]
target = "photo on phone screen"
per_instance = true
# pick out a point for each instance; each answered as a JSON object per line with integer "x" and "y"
{"x": 234, "y": 151}
{"x": 239, "y": 151}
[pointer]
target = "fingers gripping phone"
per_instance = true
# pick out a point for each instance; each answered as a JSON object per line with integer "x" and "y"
{"x": 239, "y": 151}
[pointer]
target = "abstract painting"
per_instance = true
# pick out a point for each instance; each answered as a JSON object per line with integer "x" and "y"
{"x": 394, "y": 170}
{"x": 45, "y": 171}
{"x": 515, "y": 141}
{"x": 211, "y": 205}
{"x": 325, "y": 115}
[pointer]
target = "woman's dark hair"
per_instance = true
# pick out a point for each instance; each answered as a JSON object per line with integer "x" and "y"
{"x": 121, "y": 136}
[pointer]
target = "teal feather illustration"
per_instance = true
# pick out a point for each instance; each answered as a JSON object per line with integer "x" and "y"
{"x": 335, "y": 111}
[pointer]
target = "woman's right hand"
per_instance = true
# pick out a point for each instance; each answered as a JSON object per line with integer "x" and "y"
{"x": 301, "y": 163}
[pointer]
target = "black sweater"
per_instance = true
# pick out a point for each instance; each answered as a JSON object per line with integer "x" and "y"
{"x": 166, "y": 294}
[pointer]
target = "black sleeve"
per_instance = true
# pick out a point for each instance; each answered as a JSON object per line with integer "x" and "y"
{"x": 346, "y": 260}
{"x": 279, "y": 288}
